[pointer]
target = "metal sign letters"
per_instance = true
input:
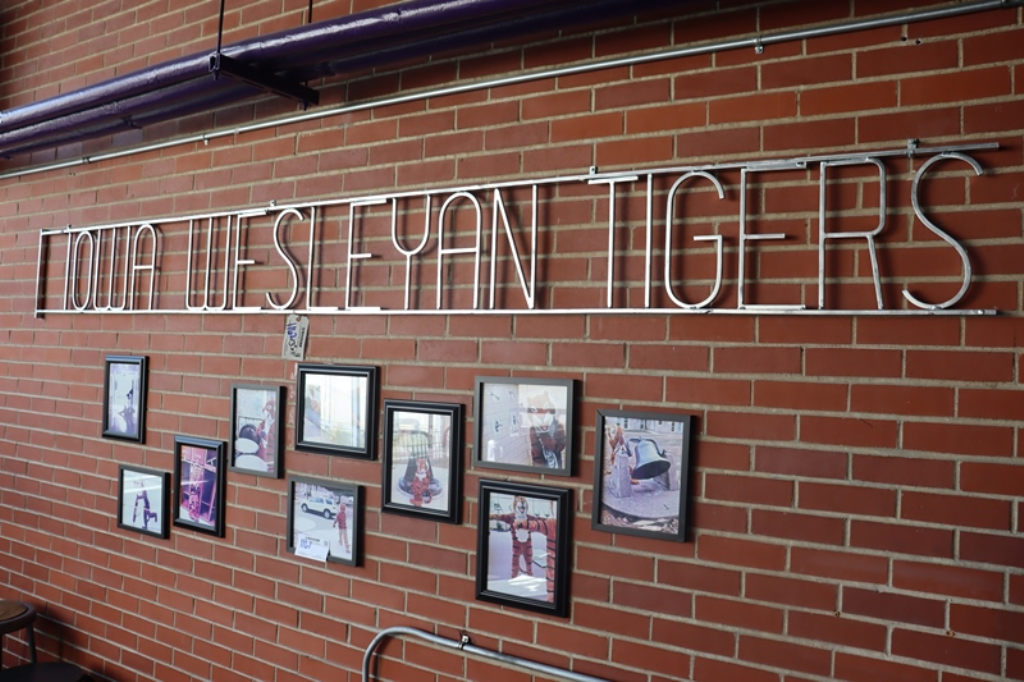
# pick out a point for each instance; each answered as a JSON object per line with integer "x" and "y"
{"x": 495, "y": 248}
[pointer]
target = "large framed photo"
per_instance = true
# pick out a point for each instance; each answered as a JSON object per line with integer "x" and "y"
{"x": 257, "y": 438}
{"x": 124, "y": 398}
{"x": 324, "y": 520}
{"x": 524, "y": 424}
{"x": 199, "y": 484}
{"x": 641, "y": 472}
{"x": 143, "y": 500}
{"x": 523, "y": 546}
{"x": 337, "y": 410}
{"x": 422, "y": 459}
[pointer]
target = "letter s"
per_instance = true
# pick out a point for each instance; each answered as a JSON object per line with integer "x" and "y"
{"x": 935, "y": 228}
{"x": 289, "y": 261}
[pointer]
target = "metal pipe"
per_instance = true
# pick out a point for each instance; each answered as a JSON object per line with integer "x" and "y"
{"x": 521, "y": 312}
{"x": 447, "y": 42}
{"x": 289, "y": 49}
{"x": 464, "y": 645}
{"x": 307, "y": 54}
{"x": 755, "y": 42}
{"x": 177, "y": 101}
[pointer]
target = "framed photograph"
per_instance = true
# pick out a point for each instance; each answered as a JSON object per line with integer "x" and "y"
{"x": 257, "y": 438}
{"x": 124, "y": 398}
{"x": 524, "y": 424}
{"x": 641, "y": 471}
{"x": 423, "y": 459}
{"x": 199, "y": 484}
{"x": 143, "y": 500}
{"x": 324, "y": 520}
{"x": 336, "y": 412}
{"x": 523, "y": 546}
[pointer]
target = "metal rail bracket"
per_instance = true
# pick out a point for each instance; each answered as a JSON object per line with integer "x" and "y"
{"x": 233, "y": 69}
{"x": 223, "y": 65}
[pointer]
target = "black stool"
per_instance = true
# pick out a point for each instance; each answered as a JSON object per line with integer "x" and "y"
{"x": 43, "y": 672}
{"x": 16, "y": 615}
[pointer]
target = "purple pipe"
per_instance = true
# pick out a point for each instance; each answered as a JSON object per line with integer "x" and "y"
{"x": 123, "y": 112}
{"x": 306, "y": 43}
{"x": 595, "y": 11}
{"x": 80, "y": 129}
{"x": 163, "y": 92}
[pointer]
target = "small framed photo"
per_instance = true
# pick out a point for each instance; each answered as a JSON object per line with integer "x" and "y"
{"x": 423, "y": 459}
{"x": 641, "y": 472}
{"x": 324, "y": 520}
{"x": 143, "y": 500}
{"x": 124, "y": 398}
{"x": 199, "y": 484}
{"x": 257, "y": 438}
{"x": 337, "y": 410}
{"x": 523, "y": 546}
{"x": 524, "y": 424}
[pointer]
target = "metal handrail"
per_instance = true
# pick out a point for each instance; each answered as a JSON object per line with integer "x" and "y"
{"x": 463, "y": 644}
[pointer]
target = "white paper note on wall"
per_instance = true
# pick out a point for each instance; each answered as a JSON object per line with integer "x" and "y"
{"x": 296, "y": 328}
{"x": 311, "y": 548}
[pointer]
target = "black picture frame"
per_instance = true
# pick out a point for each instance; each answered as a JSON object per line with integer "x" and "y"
{"x": 422, "y": 460}
{"x": 508, "y": 511}
{"x": 143, "y": 497}
{"x": 199, "y": 484}
{"x": 336, "y": 410}
{"x": 257, "y": 436}
{"x": 641, "y": 473}
{"x": 124, "y": 397}
{"x": 313, "y": 515}
{"x": 524, "y": 424}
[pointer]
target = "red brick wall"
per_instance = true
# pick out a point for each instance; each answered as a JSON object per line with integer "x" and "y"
{"x": 857, "y": 480}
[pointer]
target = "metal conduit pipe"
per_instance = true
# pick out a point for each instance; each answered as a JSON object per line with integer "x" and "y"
{"x": 464, "y": 645}
{"x": 756, "y": 42}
